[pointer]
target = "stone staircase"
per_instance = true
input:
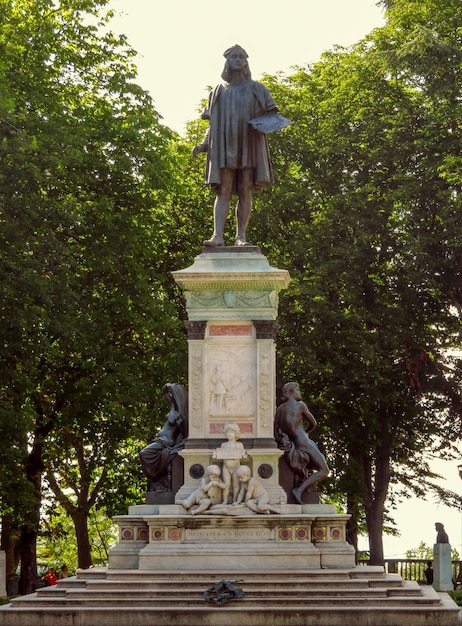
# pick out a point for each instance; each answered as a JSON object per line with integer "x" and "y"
{"x": 361, "y": 596}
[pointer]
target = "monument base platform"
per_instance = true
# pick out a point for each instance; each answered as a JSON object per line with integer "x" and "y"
{"x": 238, "y": 540}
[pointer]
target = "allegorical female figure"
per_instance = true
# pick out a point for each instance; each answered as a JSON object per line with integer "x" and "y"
{"x": 156, "y": 457}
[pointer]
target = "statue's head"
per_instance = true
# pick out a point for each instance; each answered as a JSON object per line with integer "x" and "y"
{"x": 290, "y": 389}
{"x": 232, "y": 428}
{"x": 243, "y": 472}
{"x": 177, "y": 396}
{"x": 213, "y": 470}
{"x": 226, "y": 70}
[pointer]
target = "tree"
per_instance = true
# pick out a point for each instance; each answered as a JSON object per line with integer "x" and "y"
{"x": 426, "y": 552}
{"x": 422, "y": 44}
{"x": 57, "y": 544}
{"x": 89, "y": 327}
{"x": 421, "y": 552}
{"x": 367, "y": 323}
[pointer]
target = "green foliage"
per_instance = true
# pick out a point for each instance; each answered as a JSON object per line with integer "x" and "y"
{"x": 421, "y": 552}
{"x": 57, "y": 544}
{"x": 364, "y": 217}
{"x": 90, "y": 320}
{"x": 363, "y": 555}
{"x": 456, "y": 596}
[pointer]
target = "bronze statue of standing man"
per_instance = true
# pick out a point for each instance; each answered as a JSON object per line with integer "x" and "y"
{"x": 238, "y": 161}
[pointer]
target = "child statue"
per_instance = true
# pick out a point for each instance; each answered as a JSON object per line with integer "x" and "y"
{"x": 252, "y": 492}
{"x": 208, "y": 494}
{"x": 231, "y": 452}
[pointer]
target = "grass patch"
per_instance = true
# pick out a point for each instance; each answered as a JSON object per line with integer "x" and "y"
{"x": 456, "y": 596}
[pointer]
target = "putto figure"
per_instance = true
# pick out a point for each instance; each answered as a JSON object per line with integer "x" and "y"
{"x": 252, "y": 493}
{"x": 231, "y": 451}
{"x": 209, "y": 493}
{"x": 238, "y": 161}
{"x": 302, "y": 454}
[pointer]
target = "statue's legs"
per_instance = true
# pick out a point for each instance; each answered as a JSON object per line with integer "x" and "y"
{"x": 244, "y": 205}
{"x": 151, "y": 461}
{"x": 322, "y": 472}
{"x": 204, "y": 504}
{"x": 221, "y": 208}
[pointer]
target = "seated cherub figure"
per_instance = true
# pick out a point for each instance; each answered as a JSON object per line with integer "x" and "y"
{"x": 209, "y": 493}
{"x": 253, "y": 493}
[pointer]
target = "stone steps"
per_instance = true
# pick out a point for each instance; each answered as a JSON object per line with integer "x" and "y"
{"x": 249, "y": 591}
{"x": 263, "y": 602}
{"x": 188, "y": 592}
{"x": 232, "y": 616}
{"x": 272, "y": 604}
{"x": 371, "y": 574}
{"x": 167, "y": 585}
{"x": 361, "y": 596}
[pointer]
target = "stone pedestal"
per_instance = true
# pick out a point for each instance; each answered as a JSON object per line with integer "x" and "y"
{"x": 442, "y": 568}
{"x": 304, "y": 537}
{"x": 224, "y": 543}
{"x": 232, "y": 300}
{"x": 263, "y": 463}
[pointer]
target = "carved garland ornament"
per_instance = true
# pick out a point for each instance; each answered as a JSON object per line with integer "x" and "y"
{"x": 264, "y": 372}
{"x": 231, "y": 299}
{"x": 195, "y": 392}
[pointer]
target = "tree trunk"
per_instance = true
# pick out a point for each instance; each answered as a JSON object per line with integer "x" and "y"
{"x": 28, "y": 551}
{"x": 376, "y": 480}
{"x": 374, "y": 520}
{"x": 80, "y": 519}
{"x": 34, "y": 468}
{"x": 352, "y": 526}
{"x": 29, "y": 530}
{"x": 10, "y": 545}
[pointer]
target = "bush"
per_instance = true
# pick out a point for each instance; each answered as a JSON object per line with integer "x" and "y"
{"x": 457, "y": 597}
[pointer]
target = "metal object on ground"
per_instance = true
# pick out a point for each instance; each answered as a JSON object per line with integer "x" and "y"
{"x": 223, "y": 592}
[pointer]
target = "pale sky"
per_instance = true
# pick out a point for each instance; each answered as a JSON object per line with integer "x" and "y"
{"x": 416, "y": 518}
{"x": 181, "y": 44}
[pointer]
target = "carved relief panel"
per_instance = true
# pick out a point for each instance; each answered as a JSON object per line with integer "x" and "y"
{"x": 230, "y": 389}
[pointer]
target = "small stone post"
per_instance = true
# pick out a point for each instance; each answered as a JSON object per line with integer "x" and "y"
{"x": 442, "y": 570}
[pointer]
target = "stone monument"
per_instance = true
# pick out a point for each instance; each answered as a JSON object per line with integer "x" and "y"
{"x": 237, "y": 514}
{"x": 240, "y": 515}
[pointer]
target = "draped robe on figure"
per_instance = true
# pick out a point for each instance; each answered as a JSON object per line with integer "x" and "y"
{"x": 231, "y": 142}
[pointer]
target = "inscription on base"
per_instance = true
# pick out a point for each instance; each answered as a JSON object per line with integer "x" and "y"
{"x": 228, "y": 535}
